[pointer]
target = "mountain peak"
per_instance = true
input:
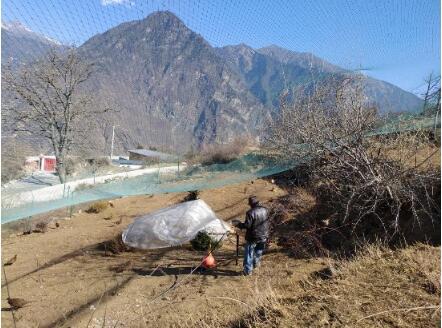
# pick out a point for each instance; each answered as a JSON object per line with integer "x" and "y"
{"x": 164, "y": 19}
{"x": 280, "y": 53}
{"x": 163, "y": 14}
{"x": 242, "y": 48}
{"x": 16, "y": 26}
{"x": 19, "y": 28}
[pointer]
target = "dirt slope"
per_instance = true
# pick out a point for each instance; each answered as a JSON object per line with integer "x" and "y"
{"x": 71, "y": 281}
{"x": 66, "y": 276}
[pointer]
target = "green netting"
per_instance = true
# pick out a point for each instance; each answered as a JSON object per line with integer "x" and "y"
{"x": 248, "y": 167}
{"x": 408, "y": 122}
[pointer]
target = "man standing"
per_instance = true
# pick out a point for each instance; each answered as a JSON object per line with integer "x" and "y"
{"x": 257, "y": 233}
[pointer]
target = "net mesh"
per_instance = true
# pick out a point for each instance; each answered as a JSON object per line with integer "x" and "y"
{"x": 382, "y": 40}
{"x": 165, "y": 179}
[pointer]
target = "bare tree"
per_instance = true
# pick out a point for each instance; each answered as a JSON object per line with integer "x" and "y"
{"x": 53, "y": 103}
{"x": 363, "y": 175}
{"x": 432, "y": 94}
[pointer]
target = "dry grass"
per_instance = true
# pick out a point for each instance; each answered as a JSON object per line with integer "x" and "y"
{"x": 219, "y": 153}
{"x": 390, "y": 285}
{"x": 97, "y": 207}
{"x": 377, "y": 288}
{"x": 262, "y": 311}
{"x": 114, "y": 245}
{"x": 13, "y": 155}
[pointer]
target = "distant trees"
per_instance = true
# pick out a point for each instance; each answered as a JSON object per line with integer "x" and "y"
{"x": 13, "y": 157}
{"x": 53, "y": 103}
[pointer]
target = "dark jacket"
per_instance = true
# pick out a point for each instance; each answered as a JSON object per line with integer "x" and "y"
{"x": 257, "y": 224}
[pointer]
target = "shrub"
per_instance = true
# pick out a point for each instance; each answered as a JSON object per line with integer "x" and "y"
{"x": 97, "y": 207}
{"x": 41, "y": 226}
{"x": 203, "y": 242}
{"x": 83, "y": 186}
{"x": 13, "y": 158}
{"x": 101, "y": 161}
{"x": 11, "y": 170}
{"x": 73, "y": 165}
{"x": 114, "y": 245}
{"x": 223, "y": 153}
{"x": 191, "y": 195}
{"x": 377, "y": 184}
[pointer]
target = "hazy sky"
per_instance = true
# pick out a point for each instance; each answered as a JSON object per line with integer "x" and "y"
{"x": 393, "y": 40}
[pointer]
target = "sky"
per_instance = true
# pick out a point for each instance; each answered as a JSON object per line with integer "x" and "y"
{"x": 393, "y": 40}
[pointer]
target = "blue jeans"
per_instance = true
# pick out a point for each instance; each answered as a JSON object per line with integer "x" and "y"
{"x": 252, "y": 256}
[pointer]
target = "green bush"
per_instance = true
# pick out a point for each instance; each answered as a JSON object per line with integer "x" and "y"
{"x": 203, "y": 242}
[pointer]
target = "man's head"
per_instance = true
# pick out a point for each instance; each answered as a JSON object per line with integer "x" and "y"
{"x": 253, "y": 201}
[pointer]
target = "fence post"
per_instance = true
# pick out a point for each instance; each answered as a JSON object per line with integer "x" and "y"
{"x": 71, "y": 207}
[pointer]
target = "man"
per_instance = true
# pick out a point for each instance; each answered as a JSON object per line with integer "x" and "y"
{"x": 257, "y": 233}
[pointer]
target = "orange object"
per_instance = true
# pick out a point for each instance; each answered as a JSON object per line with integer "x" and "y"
{"x": 209, "y": 262}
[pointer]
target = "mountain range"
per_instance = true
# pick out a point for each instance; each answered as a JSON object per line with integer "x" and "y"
{"x": 20, "y": 44}
{"x": 171, "y": 88}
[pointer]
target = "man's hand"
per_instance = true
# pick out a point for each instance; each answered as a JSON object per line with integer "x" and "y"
{"x": 236, "y": 222}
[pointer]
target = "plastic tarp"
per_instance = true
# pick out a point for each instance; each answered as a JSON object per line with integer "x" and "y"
{"x": 173, "y": 226}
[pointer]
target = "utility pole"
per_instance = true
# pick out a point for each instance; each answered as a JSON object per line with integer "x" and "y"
{"x": 112, "y": 144}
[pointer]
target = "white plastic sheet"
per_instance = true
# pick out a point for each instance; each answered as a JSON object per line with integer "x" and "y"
{"x": 173, "y": 226}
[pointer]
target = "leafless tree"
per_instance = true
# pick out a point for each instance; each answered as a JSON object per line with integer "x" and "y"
{"x": 52, "y": 102}
{"x": 366, "y": 176}
{"x": 432, "y": 94}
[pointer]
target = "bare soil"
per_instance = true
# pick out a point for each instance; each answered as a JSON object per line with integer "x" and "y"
{"x": 71, "y": 280}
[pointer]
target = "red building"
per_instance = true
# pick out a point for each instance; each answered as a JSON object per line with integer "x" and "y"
{"x": 47, "y": 163}
{"x": 40, "y": 163}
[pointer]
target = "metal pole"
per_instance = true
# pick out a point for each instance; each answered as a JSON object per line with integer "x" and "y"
{"x": 237, "y": 248}
{"x": 71, "y": 208}
{"x": 159, "y": 167}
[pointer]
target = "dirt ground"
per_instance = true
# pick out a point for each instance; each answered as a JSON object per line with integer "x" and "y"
{"x": 70, "y": 281}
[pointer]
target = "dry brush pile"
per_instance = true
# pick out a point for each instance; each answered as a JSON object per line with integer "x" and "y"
{"x": 369, "y": 185}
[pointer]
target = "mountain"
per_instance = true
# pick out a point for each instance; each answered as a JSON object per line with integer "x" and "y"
{"x": 171, "y": 89}
{"x": 169, "y": 85}
{"x": 270, "y": 70}
{"x": 22, "y": 45}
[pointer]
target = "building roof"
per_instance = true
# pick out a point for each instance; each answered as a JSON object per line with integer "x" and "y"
{"x": 152, "y": 153}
